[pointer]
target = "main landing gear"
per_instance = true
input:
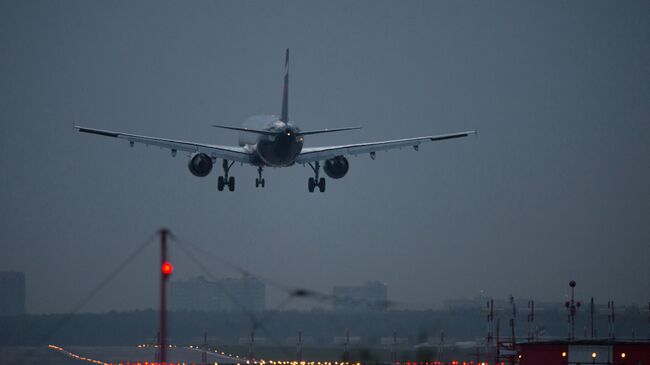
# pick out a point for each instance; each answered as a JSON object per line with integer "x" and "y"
{"x": 315, "y": 181}
{"x": 259, "y": 181}
{"x": 225, "y": 180}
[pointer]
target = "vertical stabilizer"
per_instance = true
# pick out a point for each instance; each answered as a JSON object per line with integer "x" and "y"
{"x": 285, "y": 90}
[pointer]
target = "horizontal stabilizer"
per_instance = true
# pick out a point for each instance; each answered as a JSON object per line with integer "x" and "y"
{"x": 250, "y": 130}
{"x": 328, "y": 130}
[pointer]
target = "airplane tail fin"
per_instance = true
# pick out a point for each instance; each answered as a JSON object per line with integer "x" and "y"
{"x": 285, "y": 90}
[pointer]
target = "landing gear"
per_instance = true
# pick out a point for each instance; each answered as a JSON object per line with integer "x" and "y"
{"x": 312, "y": 183}
{"x": 222, "y": 182}
{"x": 259, "y": 181}
{"x": 225, "y": 180}
{"x": 315, "y": 181}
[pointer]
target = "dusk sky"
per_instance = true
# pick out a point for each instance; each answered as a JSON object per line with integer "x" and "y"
{"x": 555, "y": 186}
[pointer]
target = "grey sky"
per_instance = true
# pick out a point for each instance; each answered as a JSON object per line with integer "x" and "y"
{"x": 555, "y": 187}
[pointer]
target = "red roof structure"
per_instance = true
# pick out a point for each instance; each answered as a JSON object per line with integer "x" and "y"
{"x": 584, "y": 352}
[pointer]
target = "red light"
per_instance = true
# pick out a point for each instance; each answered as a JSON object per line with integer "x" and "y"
{"x": 167, "y": 268}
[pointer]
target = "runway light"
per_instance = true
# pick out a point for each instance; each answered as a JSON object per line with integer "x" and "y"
{"x": 167, "y": 268}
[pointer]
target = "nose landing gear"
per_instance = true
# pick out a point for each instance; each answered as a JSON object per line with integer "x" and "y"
{"x": 259, "y": 181}
{"x": 315, "y": 181}
{"x": 225, "y": 180}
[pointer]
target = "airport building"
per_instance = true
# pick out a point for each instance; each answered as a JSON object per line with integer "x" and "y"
{"x": 465, "y": 303}
{"x": 12, "y": 293}
{"x": 372, "y": 295}
{"x": 230, "y": 294}
{"x": 584, "y": 352}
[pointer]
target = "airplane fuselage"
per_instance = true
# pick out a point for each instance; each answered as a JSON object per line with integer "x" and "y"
{"x": 280, "y": 150}
{"x": 277, "y": 150}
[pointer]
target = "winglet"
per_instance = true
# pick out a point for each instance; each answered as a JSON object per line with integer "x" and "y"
{"x": 285, "y": 90}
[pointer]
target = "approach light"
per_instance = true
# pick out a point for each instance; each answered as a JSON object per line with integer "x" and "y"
{"x": 622, "y": 355}
{"x": 167, "y": 268}
{"x": 593, "y": 355}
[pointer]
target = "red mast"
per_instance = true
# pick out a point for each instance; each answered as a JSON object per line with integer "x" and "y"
{"x": 166, "y": 270}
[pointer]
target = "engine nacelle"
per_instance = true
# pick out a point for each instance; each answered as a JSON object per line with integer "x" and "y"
{"x": 336, "y": 167}
{"x": 200, "y": 164}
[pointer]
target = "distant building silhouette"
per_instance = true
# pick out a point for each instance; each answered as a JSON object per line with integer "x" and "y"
{"x": 473, "y": 303}
{"x": 230, "y": 294}
{"x": 12, "y": 293}
{"x": 372, "y": 295}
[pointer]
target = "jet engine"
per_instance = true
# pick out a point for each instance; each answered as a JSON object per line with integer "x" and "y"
{"x": 336, "y": 167}
{"x": 200, "y": 164}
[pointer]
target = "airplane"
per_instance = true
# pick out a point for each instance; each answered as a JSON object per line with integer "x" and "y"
{"x": 269, "y": 141}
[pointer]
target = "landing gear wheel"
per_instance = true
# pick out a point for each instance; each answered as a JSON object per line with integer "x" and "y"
{"x": 311, "y": 184}
{"x": 225, "y": 180}
{"x": 259, "y": 182}
{"x": 321, "y": 185}
{"x": 220, "y": 183}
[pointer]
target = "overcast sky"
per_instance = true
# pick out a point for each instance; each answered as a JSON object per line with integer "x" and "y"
{"x": 556, "y": 186}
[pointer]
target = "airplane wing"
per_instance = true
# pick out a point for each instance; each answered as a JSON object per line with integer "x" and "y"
{"x": 238, "y": 154}
{"x": 324, "y": 153}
